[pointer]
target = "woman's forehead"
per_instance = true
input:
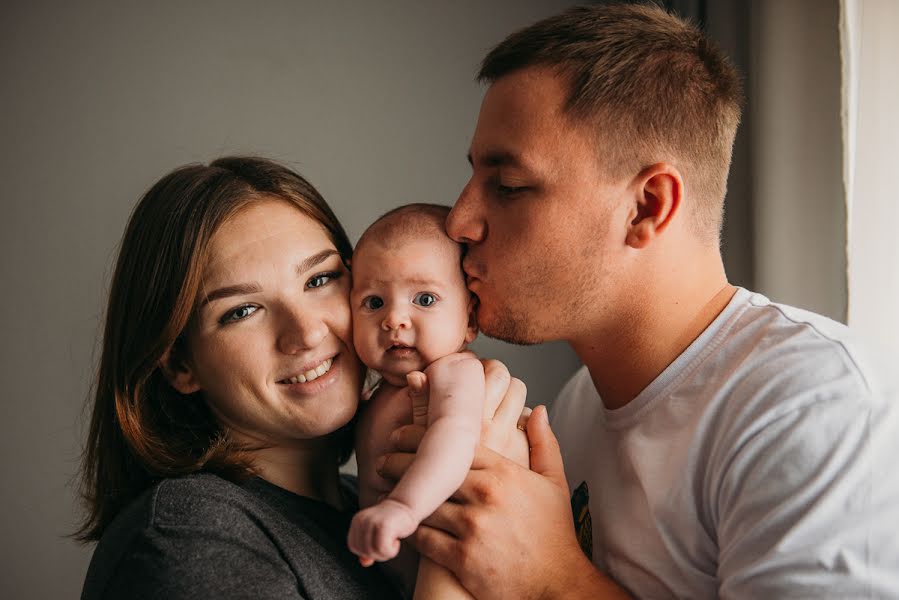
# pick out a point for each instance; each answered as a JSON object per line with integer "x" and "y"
{"x": 263, "y": 235}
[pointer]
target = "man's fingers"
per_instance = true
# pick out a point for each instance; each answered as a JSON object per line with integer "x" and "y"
{"x": 407, "y": 438}
{"x": 417, "y": 383}
{"x": 496, "y": 382}
{"x": 509, "y": 410}
{"x": 437, "y": 545}
{"x": 522, "y": 423}
{"x": 394, "y": 465}
{"x": 546, "y": 458}
{"x": 447, "y": 518}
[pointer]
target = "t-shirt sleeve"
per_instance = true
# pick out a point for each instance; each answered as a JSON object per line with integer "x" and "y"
{"x": 178, "y": 562}
{"x": 808, "y": 505}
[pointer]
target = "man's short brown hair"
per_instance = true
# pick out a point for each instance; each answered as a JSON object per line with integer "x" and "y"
{"x": 650, "y": 83}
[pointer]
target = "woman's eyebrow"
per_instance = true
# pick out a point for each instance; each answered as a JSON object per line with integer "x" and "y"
{"x": 315, "y": 259}
{"x": 252, "y": 288}
{"x": 231, "y": 290}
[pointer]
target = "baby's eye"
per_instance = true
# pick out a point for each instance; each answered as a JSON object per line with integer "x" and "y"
{"x": 424, "y": 299}
{"x": 240, "y": 313}
{"x": 373, "y": 302}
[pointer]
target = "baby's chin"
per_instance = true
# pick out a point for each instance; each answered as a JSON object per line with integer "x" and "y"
{"x": 395, "y": 371}
{"x": 397, "y": 378}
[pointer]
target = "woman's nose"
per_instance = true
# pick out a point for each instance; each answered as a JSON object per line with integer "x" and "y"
{"x": 396, "y": 318}
{"x": 301, "y": 332}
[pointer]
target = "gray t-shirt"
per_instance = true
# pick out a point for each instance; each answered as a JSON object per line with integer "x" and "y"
{"x": 201, "y": 536}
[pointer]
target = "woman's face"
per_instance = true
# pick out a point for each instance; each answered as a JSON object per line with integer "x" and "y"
{"x": 271, "y": 345}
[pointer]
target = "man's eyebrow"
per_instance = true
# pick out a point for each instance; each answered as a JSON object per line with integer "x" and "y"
{"x": 497, "y": 158}
{"x": 252, "y": 288}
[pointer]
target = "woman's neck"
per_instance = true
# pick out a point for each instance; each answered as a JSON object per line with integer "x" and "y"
{"x": 305, "y": 471}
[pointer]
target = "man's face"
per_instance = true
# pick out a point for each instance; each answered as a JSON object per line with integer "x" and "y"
{"x": 544, "y": 227}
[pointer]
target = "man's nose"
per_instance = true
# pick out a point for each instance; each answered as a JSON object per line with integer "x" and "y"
{"x": 465, "y": 222}
{"x": 301, "y": 331}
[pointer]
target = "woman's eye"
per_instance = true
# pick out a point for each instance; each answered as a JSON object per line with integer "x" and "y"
{"x": 318, "y": 281}
{"x": 239, "y": 313}
{"x": 424, "y": 299}
{"x": 373, "y": 302}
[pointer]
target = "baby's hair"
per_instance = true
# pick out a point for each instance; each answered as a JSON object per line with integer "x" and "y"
{"x": 410, "y": 221}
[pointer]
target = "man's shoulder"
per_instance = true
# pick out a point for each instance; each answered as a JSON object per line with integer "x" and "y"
{"x": 786, "y": 351}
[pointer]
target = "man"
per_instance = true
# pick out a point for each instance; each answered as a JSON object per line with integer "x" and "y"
{"x": 715, "y": 444}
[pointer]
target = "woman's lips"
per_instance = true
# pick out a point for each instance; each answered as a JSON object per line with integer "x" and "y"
{"x": 310, "y": 374}
{"x": 310, "y": 388}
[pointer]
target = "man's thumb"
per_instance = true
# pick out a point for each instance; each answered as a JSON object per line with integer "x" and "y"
{"x": 418, "y": 393}
{"x": 546, "y": 458}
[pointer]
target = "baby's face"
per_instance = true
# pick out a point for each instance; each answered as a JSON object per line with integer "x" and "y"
{"x": 410, "y": 306}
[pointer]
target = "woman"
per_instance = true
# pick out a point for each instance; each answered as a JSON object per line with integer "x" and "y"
{"x": 225, "y": 396}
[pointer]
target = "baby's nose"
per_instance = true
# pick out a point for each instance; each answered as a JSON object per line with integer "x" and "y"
{"x": 396, "y": 319}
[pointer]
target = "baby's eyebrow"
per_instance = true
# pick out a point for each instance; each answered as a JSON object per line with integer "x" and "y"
{"x": 413, "y": 280}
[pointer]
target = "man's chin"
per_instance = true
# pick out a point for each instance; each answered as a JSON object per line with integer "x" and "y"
{"x": 507, "y": 328}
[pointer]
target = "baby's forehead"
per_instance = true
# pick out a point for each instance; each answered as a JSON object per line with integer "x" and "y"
{"x": 429, "y": 250}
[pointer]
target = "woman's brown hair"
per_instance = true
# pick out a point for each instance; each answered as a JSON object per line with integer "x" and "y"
{"x": 141, "y": 429}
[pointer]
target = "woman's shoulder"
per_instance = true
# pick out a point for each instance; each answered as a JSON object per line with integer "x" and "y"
{"x": 172, "y": 532}
{"x": 201, "y": 499}
{"x": 203, "y": 536}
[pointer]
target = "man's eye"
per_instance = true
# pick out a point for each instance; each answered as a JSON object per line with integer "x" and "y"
{"x": 240, "y": 313}
{"x": 507, "y": 190}
{"x": 373, "y": 302}
{"x": 321, "y": 279}
{"x": 424, "y": 299}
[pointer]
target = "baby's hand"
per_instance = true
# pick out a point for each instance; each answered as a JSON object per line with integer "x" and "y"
{"x": 375, "y": 532}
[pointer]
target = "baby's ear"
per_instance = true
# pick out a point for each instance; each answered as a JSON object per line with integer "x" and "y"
{"x": 472, "y": 329}
{"x": 178, "y": 371}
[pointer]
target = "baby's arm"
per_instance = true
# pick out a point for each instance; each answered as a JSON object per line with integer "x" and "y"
{"x": 455, "y": 411}
{"x": 455, "y": 406}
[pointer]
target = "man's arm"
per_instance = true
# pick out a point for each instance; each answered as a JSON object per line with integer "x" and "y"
{"x": 509, "y": 531}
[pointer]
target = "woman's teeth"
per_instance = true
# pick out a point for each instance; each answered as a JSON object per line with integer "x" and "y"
{"x": 311, "y": 374}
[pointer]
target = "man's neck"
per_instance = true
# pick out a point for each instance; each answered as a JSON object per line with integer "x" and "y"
{"x": 625, "y": 356}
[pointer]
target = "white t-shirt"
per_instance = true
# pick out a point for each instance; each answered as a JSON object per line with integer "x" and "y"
{"x": 762, "y": 463}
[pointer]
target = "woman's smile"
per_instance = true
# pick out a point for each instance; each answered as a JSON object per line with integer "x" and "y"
{"x": 313, "y": 381}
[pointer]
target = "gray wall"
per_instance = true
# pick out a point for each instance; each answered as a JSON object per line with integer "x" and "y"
{"x": 373, "y": 101}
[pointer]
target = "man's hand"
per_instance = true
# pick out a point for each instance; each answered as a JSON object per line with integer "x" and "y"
{"x": 508, "y": 531}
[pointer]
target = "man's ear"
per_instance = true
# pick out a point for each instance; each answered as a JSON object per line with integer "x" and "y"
{"x": 658, "y": 199}
{"x": 177, "y": 371}
{"x": 472, "y": 329}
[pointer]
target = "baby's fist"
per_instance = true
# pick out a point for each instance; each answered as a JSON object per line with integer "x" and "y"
{"x": 375, "y": 532}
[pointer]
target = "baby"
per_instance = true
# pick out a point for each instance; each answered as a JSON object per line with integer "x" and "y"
{"x": 412, "y": 312}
